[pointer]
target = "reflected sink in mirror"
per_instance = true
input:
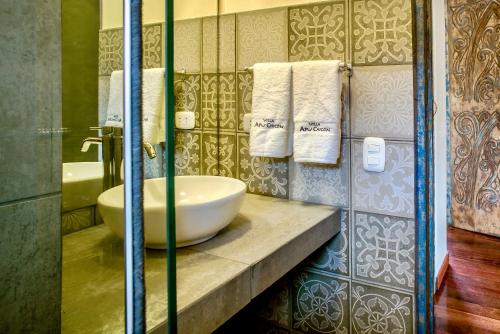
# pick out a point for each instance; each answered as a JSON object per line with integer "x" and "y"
{"x": 82, "y": 184}
{"x": 204, "y": 205}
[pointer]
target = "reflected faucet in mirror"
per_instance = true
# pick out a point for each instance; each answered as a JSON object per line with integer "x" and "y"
{"x": 90, "y": 141}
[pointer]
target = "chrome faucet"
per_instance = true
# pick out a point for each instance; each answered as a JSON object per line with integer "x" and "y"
{"x": 89, "y": 141}
{"x": 150, "y": 150}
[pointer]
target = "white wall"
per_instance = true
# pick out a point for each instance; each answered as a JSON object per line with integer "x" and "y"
{"x": 153, "y": 11}
{"x": 235, "y": 6}
{"x": 440, "y": 131}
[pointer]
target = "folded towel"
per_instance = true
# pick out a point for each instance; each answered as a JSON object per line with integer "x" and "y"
{"x": 153, "y": 104}
{"x": 317, "y": 111}
{"x": 270, "y": 131}
{"x": 114, "y": 116}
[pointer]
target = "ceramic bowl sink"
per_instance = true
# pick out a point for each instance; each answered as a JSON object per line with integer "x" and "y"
{"x": 204, "y": 205}
{"x": 82, "y": 184}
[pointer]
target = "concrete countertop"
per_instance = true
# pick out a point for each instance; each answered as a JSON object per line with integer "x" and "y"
{"x": 215, "y": 279}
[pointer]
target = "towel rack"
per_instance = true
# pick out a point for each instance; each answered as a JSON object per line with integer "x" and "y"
{"x": 342, "y": 67}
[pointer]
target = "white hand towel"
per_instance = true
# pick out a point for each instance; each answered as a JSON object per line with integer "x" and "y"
{"x": 270, "y": 133}
{"x": 153, "y": 103}
{"x": 114, "y": 116}
{"x": 317, "y": 111}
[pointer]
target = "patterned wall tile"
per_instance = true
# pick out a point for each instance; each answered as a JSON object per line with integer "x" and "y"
{"x": 227, "y": 154}
{"x": 209, "y": 44}
{"x": 209, "y": 101}
{"x": 320, "y": 303}
{"x": 261, "y": 37}
{"x": 384, "y": 250}
{"x": 77, "y": 220}
{"x": 382, "y": 102}
{"x": 110, "y": 51}
{"x": 274, "y": 304}
{"x": 376, "y": 310}
{"x": 264, "y": 176}
{"x": 227, "y": 101}
{"x": 103, "y": 99}
{"x": 244, "y": 86}
{"x": 187, "y": 45}
{"x": 227, "y": 44}
{"x": 152, "y": 38}
{"x": 317, "y": 32}
{"x": 210, "y": 153}
{"x": 389, "y": 192}
{"x": 219, "y": 101}
{"x": 382, "y": 32}
{"x": 187, "y": 152}
{"x": 334, "y": 255}
{"x": 187, "y": 94}
{"x": 324, "y": 184}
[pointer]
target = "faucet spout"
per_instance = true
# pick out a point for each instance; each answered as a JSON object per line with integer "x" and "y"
{"x": 150, "y": 150}
{"x": 89, "y": 141}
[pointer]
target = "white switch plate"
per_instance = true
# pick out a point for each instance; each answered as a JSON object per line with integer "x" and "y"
{"x": 185, "y": 120}
{"x": 374, "y": 154}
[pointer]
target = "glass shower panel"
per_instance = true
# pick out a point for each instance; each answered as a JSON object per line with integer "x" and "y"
{"x": 92, "y": 192}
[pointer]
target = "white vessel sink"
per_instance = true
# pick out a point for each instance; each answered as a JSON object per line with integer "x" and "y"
{"x": 204, "y": 205}
{"x": 82, "y": 184}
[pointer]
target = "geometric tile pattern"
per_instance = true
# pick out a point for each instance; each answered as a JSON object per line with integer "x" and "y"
{"x": 227, "y": 101}
{"x": 319, "y": 183}
{"x": 384, "y": 250}
{"x": 209, "y": 103}
{"x": 227, "y": 43}
{"x": 320, "y": 303}
{"x": 225, "y": 50}
{"x": 219, "y": 101}
{"x": 244, "y": 87}
{"x": 111, "y": 48}
{"x": 376, "y": 310}
{"x": 334, "y": 255}
{"x": 187, "y": 95}
{"x": 187, "y": 48}
{"x": 227, "y": 154}
{"x": 261, "y": 37}
{"x": 317, "y": 32}
{"x": 382, "y": 32}
{"x": 152, "y": 38}
{"x": 210, "y": 153}
{"x": 382, "y": 102}
{"x": 263, "y": 176}
{"x": 110, "y": 51}
{"x": 187, "y": 152}
{"x": 209, "y": 44}
{"x": 389, "y": 192}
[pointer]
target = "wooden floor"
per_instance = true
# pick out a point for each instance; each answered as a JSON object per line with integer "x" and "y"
{"x": 469, "y": 299}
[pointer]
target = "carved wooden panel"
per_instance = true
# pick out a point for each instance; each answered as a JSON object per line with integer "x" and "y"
{"x": 474, "y": 64}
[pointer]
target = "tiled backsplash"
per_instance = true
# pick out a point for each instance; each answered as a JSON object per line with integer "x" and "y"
{"x": 367, "y": 270}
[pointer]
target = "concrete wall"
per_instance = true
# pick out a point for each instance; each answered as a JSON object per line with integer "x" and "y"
{"x": 30, "y": 160}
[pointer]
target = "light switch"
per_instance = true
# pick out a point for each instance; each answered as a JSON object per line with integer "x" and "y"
{"x": 185, "y": 120}
{"x": 374, "y": 154}
{"x": 373, "y": 148}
